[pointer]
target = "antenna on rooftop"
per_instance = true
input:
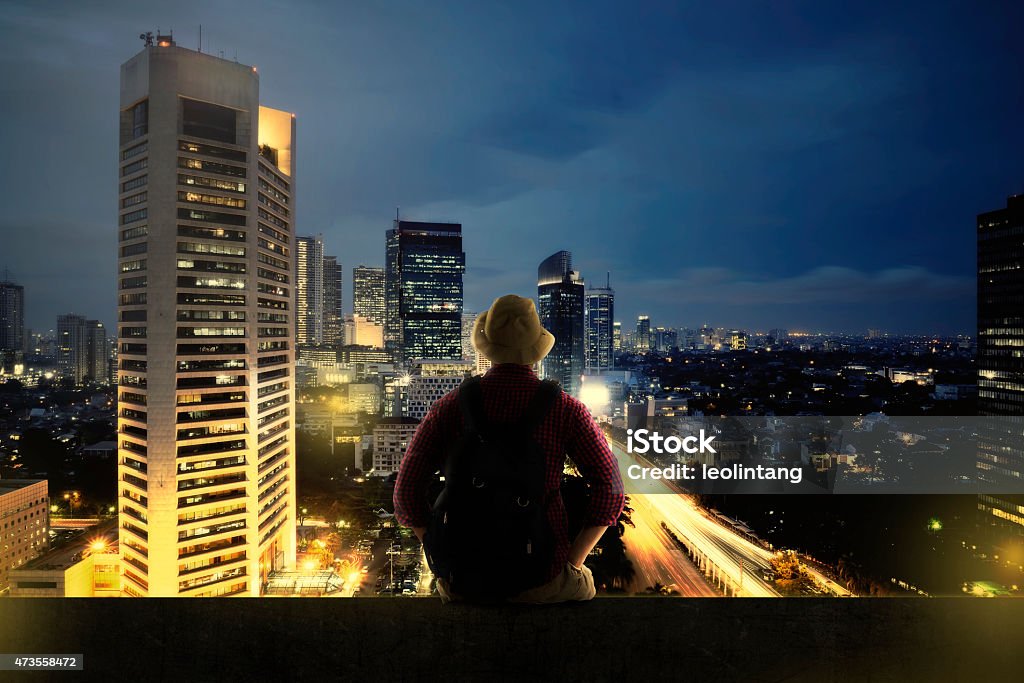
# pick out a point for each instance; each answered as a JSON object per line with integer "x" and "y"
{"x": 147, "y": 38}
{"x": 200, "y": 38}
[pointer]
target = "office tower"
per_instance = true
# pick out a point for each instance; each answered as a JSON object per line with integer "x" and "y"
{"x": 309, "y": 290}
{"x": 423, "y": 290}
{"x": 12, "y": 327}
{"x": 616, "y": 336}
{"x": 334, "y": 320}
{"x": 206, "y": 344}
{"x": 600, "y": 313}
{"x": 368, "y": 293}
{"x": 560, "y": 306}
{"x": 82, "y": 353}
{"x": 12, "y": 316}
{"x": 24, "y": 523}
{"x": 1000, "y": 365}
{"x": 642, "y": 341}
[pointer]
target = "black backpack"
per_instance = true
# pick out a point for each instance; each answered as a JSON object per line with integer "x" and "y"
{"x": 489, "y": 536}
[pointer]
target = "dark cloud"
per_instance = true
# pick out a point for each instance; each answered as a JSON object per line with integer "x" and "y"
{"x": 797, "y": 163}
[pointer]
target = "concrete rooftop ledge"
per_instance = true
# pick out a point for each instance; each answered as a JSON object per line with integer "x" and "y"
{"x": 609, "y": 639}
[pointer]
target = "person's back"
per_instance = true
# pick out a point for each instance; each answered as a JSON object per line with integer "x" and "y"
{"x": 510, "y": 334}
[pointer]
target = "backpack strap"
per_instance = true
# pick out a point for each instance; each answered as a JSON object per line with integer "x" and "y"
{"x": 471, "y": 403}
{"x": 540, "y": 405}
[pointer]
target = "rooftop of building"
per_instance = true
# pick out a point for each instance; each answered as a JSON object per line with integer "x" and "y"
{"x": 68, "y": 554}
{"x": 392, "y": 421}
{"x": 11, "y": 485}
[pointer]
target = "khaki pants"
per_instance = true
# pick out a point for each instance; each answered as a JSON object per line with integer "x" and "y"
{"x": 571, "y": 584}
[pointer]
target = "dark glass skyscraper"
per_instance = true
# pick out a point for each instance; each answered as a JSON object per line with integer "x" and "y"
{"x": 423, "y": 290}
{"x": 600, "y": 315}
{"x": 560, "y": 297}
{"x": 334, "y": 325}
{"x": 12, "y": 316}
{"x": 1001, "y": 362}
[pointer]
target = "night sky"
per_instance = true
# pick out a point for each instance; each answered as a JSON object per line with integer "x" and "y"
{"x": 751, "y": 164}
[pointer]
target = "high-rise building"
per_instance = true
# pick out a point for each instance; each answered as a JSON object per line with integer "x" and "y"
{"x": 82, "y": 352}
{"x": 12, "y": 316}
{"x": 309, "y": 290}
{"x": 423, "y": 290}
{"x": 1001, "y": 365}
{"x": 368, "y": 293}
{"x": 206, "y": 453}
{"x": 600, "y": 314}
{"x": 334, "y": 318}
{"x": 560, "y": 296}
{"x": 642, "y": 340}
{"x": 617, "y": 336}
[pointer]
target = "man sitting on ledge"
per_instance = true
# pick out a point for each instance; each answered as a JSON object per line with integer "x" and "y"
{"x": 498, "y": 531}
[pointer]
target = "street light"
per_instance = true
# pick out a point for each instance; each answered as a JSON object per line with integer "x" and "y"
{"x": 71, "y": 497}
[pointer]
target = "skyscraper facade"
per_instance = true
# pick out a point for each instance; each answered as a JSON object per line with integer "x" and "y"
{"x": 309, "y": 290}
{"x": 600, "y": 314}
{"x": 1000, "y": 361}
{"x": 206, "y": 459}
{"x": 560, "y": 295}
{"x": 12, "y": 316}
{"x": 334, "y": 318}
{"x": 642, "y": 338}
{"x": 423, "y": 290}
{"x": 468, "y": 320}
{"x": 368, "y": 293}
{"x": 82, "y": 353}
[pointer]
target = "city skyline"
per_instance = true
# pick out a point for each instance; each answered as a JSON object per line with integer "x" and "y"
{"x": 799, "y": 172}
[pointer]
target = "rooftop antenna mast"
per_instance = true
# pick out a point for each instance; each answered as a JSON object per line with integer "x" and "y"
{"x": 200, "y": 38}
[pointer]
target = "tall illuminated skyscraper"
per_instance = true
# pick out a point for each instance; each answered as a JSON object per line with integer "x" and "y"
{"x": 309, "y": 290}
{"x": 206, "y": 459}
{"x": 368, "y": 293}
{"x": 642, "y": 340}
{"x": 600, "y": 314}
{"x": 334, "y": 318}
{"x": 560, "y": 296}
{"x": 423, "y": 290}
{"x": 1001, "y": 365}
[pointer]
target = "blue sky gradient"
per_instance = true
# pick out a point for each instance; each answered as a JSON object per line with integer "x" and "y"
{"x": 810, "y": 165}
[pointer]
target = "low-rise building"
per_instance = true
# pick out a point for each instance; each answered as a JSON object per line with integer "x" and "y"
{"x": 24, "y": 523}
{"x": 391, "y": 438}
{"x": 86, "y": 567}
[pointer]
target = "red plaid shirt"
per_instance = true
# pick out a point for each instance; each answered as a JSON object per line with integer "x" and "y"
{"x": 568, "y": 429}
